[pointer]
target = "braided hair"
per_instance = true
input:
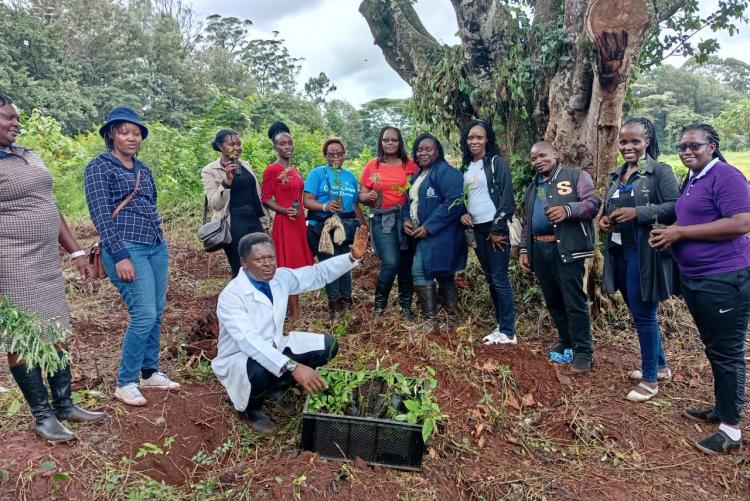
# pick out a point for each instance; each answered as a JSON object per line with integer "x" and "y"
{"x": 491, "y": 148}
{"x": 711, "y": 136}
{"x": 277, "y": 128}
{"x": 648, "y": 128}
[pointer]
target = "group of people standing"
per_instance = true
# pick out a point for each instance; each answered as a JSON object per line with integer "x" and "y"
{"x": 661, "y": 238}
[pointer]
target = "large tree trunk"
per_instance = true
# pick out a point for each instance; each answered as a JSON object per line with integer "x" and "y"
{"x": 576, "y": 104}
{"x": 580, "y": 64}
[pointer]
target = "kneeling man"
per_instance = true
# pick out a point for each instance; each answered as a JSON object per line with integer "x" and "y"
{"x": 254, "y": 357}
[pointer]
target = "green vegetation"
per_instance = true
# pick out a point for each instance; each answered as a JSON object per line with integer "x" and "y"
{"x": 24, "y": 333}
{"x": 740, "y": 159}
{"x": 380, "y": 393}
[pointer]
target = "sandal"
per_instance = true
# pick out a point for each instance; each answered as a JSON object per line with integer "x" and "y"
{"x": 637, "y": 396}
{"x": 664, "y": 374}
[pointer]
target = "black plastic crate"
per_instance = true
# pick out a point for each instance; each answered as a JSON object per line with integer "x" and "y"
{"x": 381, "y": 442}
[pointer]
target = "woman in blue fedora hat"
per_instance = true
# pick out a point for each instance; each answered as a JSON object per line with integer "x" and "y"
{"x": 121, "y": 196}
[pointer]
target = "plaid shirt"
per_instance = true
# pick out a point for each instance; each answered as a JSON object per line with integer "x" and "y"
{"x": 107, "y": 182}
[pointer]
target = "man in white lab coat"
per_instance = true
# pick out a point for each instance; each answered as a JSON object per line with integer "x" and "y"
{"x": 254, "y": 357}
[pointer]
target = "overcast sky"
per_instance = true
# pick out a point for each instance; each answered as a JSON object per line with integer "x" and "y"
{"x": 332, "y": 36}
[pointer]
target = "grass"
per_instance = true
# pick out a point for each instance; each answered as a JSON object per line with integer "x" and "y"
{"x": 740, "y": 159}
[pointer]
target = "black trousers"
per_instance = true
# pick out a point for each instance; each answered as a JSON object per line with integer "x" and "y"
{"x": 262, "y": 382}
{"x": 241, "y": 222}
{"x": 562, "y": 287}
{"x": 720, "y": 306}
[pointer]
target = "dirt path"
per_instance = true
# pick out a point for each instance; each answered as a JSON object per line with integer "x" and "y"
{"x": 518, "y": 426}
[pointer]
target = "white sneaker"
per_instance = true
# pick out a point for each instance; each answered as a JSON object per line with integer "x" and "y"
{"x": 497, "y": 337}
{"x": 647, "y": 393}
{"x": 130, "y": 395}
{"x": 159, "y": 381}
{"x": 664, "y": 374}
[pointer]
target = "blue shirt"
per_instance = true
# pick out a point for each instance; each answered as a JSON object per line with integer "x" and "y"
{"x": 107, "y": 182}
{"x": 540, "y": 225}
{"x": 264, "y": 287}
{"x": 327, "y": 184}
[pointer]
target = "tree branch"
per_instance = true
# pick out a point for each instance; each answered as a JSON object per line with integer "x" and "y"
{"x": 398, "y": 31}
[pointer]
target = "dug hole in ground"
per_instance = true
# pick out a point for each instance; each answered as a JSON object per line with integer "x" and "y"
{"x": 518, "y": 427}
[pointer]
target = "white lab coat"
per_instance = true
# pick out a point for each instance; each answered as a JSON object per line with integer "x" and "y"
{"x": 250, "y": 326}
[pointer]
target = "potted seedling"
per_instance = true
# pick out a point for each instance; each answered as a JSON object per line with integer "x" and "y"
{"x": 234, "y": 159}
{"x": 376, "y": 188}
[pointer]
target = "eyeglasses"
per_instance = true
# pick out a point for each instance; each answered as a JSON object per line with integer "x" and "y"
{"x": 335, "y": 154}
{"x": 693, "y": 146}
{"x": 390, "y": 140}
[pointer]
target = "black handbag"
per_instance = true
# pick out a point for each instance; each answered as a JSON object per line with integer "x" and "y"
{"x": 214, "y": 235}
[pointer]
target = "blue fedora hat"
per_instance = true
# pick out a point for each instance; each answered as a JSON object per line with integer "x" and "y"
{"x": 124, "y": 114}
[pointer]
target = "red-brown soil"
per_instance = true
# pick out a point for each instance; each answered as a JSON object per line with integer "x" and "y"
{"x": 518, "y": 426}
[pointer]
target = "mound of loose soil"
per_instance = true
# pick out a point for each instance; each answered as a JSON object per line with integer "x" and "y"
{"x": 194, "y": 418}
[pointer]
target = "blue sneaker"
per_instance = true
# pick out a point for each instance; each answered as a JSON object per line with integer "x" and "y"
{"x": 565, "y": 357}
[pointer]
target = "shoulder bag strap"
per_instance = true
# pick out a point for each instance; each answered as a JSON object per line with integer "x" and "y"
{"x": 130, "y": 197}
{"x": 205, "y": 210}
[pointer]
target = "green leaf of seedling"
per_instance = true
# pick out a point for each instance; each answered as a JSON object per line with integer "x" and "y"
{"x": 60, "y": 476}
{"x": 427, "y": 428}
{"x": 48, "y": 465}
{"x": 412, "y": 405}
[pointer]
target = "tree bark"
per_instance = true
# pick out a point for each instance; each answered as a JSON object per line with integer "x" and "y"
{"x": 578, "y": 107}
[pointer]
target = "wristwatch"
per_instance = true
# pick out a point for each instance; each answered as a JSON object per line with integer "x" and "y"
{"x": 290, "y": 365}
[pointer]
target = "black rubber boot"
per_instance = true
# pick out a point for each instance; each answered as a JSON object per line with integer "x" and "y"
{"x": 62, "y": 401}
{"x": 449, "y": 299}
{"x": 32, "y": 386}
{"x": 256, "y": 418}
{"x": 345, "y": 306}
{"x": 427, "y": 295}
{"x": 382, "y": 291}
{"x": 405, "y": 292}
{"x": 334, "y": 310}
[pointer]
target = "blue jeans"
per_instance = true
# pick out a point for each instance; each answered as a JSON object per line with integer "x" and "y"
{"x": 495, "y": 265}
{"x": 628, "y": 282}
{"x": 393, "y": 260}
{"x": 145, "y": 298}
{"x": 417, "y": 270}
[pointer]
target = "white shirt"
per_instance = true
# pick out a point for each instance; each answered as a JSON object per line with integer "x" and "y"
{"x": 414, "y": 198}
{"x": 479, "y": 204}
{"x": 250, "y": 326}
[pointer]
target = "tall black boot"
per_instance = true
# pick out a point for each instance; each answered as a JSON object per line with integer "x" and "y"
{"x": 345, "y": 306}
{"x": 32, "y": 386}
{"x": 427, "y": 295}
{"x": 382, "y": 291}
{"x": 449, "y": 299}
{"x": 405, "y": 292}
{"x": 334, "y": 310}
{"x": 62, "y": 401}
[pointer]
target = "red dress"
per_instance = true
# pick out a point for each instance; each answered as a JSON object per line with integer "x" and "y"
{"x": 289, "y": 234}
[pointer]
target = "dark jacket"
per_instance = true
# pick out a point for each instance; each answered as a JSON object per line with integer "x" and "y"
{"x": 655, "y": 193}
{"x": 439, "y": 208}
{"x": 572, "y": 188}
{"x": 500, "y": 186}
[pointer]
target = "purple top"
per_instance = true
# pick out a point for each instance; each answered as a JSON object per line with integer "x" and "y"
{"x": 721, "y": 192}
